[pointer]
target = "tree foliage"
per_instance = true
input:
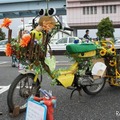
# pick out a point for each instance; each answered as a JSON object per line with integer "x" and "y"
{"x": 105, "y": 29}
{"x": 2, "y": 35}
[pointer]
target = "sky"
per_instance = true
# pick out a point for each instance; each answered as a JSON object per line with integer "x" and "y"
{"x": 17, "y": 22}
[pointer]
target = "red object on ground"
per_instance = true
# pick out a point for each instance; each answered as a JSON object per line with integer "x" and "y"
{"x": 49, "y": 103}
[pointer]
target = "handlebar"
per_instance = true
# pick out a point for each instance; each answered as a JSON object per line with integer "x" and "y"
{"x": 67, "y": 28}
{"x": 44, "y": 92}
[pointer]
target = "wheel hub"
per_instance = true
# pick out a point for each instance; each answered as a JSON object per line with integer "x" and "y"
{"x": 25, "y": 92}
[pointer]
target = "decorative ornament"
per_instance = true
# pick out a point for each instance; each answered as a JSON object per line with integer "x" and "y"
{"x": 103, "y": 52}
{"x": 112, "y": 63}
{"x": 113, "y": 51}
{"x": 6, "y": 22}
{"x": 47, "y": 23}
{"x": 8, "y": 50}
{"x": 25, "y": 40}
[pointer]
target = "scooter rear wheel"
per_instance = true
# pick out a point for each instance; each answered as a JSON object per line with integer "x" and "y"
{"x": 94, "y": 89}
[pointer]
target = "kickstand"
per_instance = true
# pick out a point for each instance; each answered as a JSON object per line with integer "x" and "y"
{"x": 15, "y": 112}
{"x": 76, "y": 89}
{"x": 1, "y": 113}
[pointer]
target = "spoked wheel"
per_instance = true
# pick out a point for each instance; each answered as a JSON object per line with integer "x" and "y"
{"x": 96, "y": 87}
{"x": 20, "y": 90}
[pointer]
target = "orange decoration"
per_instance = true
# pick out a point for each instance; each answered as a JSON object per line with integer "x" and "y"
{"x": 6, "y": 22}
{"x": 8, "y": 50}
{"x": 47, "y": 25}
{"x": 25, "y": 40}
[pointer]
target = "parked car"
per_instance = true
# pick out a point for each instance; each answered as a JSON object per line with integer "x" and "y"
{"x": 2, "y": 45}
{"x": 61, "y": 43}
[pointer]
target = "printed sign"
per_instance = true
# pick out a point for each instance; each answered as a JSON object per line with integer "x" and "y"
{"x": 35, "y": 110}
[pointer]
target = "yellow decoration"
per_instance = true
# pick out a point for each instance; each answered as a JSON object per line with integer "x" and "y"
{"x": 66, "y": 77}
{"x": 103, "y": 52}
{"x": 113, "y": 51}
{"x": 74, "y": 67}
{"x": 104, "y": 44}
{"x": 112, "y": 63}
{"x": 88, "y": 54}
{"x": 66, "y": 80}
{"x": 36, "y": 77}
{"x": 38, "y": 34}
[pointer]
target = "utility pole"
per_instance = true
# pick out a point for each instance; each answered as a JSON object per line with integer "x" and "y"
{"x": 22, "y": 20}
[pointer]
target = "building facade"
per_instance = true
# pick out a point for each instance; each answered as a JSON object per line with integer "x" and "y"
{"x": 83, "y": 14}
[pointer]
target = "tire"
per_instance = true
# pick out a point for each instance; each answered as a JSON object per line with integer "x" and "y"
{"x": 13, "y": 65}
{"x": 98, "y": 88}
{"x": 18, "y": 95}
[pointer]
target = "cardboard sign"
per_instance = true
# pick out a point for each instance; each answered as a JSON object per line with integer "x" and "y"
{"x": 98, "y": 69}
{"x": 35, "y": 110}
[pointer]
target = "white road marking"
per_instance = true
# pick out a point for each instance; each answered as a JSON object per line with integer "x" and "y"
{"x": 4, "y": 88}
{"x": 61, "y": 61}
{"x": 3, "y": 62}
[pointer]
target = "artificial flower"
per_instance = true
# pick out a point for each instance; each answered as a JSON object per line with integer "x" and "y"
{"x": 6, "y": 22}
{"x": 8, "y": 50}
{"x": 112, "y": 50}
{"x": 25, "y": 40}
{"x": 103, "y": 52}
{"x": 47, "y": 25}
{"x": 117, "y": 73}
{"x": 104, "y": 44}
{"x": 112, "y": 63}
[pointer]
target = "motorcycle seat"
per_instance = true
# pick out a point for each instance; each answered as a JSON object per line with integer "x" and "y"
{"x": 80, "y": 48}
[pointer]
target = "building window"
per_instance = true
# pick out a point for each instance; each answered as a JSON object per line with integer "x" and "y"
{"x": 83, "y": 10}
{"x": 103, "y": 10}
{"x": 114, "y": 8}
{"x": 108, "y": 9}
{"x": 89, "y": 10}
{"x": 95, "y": 10}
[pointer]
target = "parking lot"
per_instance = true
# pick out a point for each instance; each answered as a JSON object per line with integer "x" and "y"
{"x": 104, "y": 106}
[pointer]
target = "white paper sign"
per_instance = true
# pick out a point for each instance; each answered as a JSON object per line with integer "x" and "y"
{"x": 98, "y": 69}
{"x": 35, "y": 111}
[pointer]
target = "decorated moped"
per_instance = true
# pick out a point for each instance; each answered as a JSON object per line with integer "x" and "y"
{"x": 87, "y": 72}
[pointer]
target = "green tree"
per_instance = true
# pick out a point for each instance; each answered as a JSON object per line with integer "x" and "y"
{"x": 105, "y": 29}
{"x": 2, "y": 35}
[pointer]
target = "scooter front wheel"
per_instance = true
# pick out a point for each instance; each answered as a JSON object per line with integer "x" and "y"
{"x": 20, "y": 90}
{"x": 95, "y": 87}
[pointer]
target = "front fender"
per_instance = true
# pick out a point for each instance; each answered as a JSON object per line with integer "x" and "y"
{"x": 26, "y": 71}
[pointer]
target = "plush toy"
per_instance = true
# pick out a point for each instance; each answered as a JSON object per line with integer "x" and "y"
{"x": 37, "y": 32}
{"x": 47, "y": 23}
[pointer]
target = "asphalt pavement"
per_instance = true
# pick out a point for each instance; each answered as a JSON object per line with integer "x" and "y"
{"x": 103, "y": 106}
